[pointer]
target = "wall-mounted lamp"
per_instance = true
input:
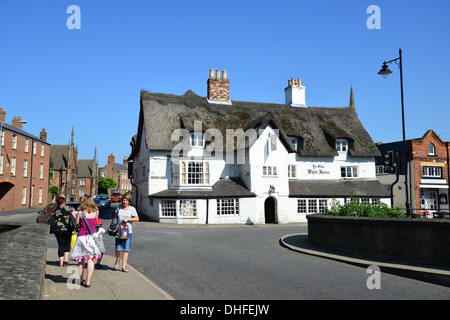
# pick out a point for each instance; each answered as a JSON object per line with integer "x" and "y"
{"x": 272, "y": 189}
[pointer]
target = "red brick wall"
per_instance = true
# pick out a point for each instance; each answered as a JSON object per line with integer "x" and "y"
{"x": 11, "y": 198}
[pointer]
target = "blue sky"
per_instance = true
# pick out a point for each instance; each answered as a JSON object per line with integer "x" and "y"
{"x": 91, "y": 78}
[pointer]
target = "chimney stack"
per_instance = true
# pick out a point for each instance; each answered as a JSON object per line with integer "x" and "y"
{"x": 43, "y": 135}
{"x": 16, "y": 122}
{"x": 2, "y": 115}
{"x": 295, "y": 93}
{"x": 111, "y": 158}
{"x": 218, "y": 87}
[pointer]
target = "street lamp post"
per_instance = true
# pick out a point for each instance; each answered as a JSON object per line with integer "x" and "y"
{"x": 385, "y": 72}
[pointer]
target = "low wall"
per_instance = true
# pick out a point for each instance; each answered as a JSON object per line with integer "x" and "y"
{"x": 421, "y": 241}
{"x": 23, "y": 252}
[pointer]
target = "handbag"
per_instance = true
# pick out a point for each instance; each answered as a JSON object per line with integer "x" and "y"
{"x": 98, "y": 241}
{"x": 72, "y": 222}
{"x": 112, "y": 230}
{"x": 52, "y": 223}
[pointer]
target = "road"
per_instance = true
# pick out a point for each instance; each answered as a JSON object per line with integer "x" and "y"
{"x": 247, "y": 262}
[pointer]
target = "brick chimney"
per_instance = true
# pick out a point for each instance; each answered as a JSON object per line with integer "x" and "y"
{"x": 111, "y": 158}
{"x": 218, "y": 87}
{"x": 295, "y": 93}
{"x": 125, "y": 161}
{"x": 43, "y": 135}
{"x": 2, "y": 115}
{"x": 16, "y": 122}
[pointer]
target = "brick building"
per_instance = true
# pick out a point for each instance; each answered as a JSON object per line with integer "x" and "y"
{"x": 73, "y": 177}
{"x": 428, "y": 172}
{"x": 119, "y": 173}
{"x": 24, "y": 166}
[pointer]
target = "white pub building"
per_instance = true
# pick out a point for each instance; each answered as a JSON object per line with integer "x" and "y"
{"x": 212, "y": 160}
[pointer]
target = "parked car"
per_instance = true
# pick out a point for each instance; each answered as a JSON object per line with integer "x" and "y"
{"x": 115, "y": 197}
{"x": 46, "y": 213}
{"x": 104, "y": 201}
{"x": 441, "y": 214}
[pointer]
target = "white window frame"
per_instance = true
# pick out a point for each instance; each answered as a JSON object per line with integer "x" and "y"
{"x": 431, "y": 150}
{"x": 40, "y": 196}
{"x": 190, "y": 173}
{"x": 349, "y": 172}
{"x": 269, "y": 171}
{"x": 432, "y": 172}
{"x": 24, "y": 195}
{"x": 197, "y": 140}
{"x": 294, "y": 142}
{"x": 342, "y": 145}
{"x": 13, "y": 166}
{"x": 14, "y": 142}
{"x": 41, "y": 171}
{"x": 312, "y": 205}
{"x": 179, "y": 208}
{"x": 292, "y": 171}
{"x": 228, "y": 207}
{"x": 25, "y": 168}
{"x": 25, "y": 148}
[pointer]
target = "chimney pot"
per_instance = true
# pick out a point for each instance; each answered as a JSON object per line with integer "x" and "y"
{"x": 218, "y": 74}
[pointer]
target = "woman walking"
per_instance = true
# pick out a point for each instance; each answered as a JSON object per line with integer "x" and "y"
{"x": 63, "y": 232}
{"x": 127, "y": 214}
{"x": 85, "y": 248}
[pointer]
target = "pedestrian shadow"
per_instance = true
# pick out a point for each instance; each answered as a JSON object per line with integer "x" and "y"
{"x": 56, "y": 278}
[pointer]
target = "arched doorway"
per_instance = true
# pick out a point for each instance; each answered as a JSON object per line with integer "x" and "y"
{"x": 270, "y": 210}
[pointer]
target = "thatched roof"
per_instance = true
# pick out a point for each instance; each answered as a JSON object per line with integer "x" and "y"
{"x": 316, "y": 128}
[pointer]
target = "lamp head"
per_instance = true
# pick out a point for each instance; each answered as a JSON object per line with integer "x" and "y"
{"x": 384, "y": 72}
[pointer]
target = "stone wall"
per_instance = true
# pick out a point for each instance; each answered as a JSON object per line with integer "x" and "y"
{"x": 421, "y": 241}
{"x": 23, "y": 250}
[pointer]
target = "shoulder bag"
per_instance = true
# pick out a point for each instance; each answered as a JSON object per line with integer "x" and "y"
{"x": 98, "y": 241}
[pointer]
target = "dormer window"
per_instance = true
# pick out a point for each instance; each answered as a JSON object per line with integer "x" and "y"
{"x": 197, "y": 140}
{"x": 294, "y": 142}
{"x": 431, "y": 150}
{"x": 341, "y": 145}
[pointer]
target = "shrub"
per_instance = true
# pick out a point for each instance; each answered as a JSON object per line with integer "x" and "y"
{"x": 355, "y": 209}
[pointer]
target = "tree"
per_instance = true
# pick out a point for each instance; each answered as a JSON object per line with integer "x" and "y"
{"x": 106, "y": 183}
{"x": 53, "y": 190}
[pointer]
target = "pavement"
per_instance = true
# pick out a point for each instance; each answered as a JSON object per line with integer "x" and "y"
{"x": 300, "y": 243}
{"x": 61, "y": 283}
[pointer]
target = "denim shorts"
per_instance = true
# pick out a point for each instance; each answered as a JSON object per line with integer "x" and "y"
{"x": 123, "y": 244}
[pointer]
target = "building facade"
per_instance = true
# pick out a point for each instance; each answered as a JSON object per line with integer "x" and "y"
{"x": 119, "y": 173}
{"x": 74, "y": 178}
{"x": 216, "y": 160}
{"x": 427, "y": 172}
{"x": 24, "y": 166}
